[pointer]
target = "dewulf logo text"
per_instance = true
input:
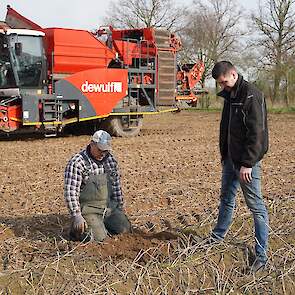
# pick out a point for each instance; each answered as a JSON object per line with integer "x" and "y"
{"x": 102, "y": 87}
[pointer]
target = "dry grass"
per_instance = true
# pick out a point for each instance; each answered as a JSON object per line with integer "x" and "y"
{"x": 171, "y": 182}
{"x": 182, "y": 266}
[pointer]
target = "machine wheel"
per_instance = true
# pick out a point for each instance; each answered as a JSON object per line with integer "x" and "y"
{"x": 119, "y": 126}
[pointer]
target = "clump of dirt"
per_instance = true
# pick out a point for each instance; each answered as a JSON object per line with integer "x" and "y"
{"x": 128, "y": 246}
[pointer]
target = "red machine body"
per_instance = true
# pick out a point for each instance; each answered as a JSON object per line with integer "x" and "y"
{"x": 188, "y": 76}
{"x": 109, "y": 84}
{"x": 70, "y": 51}
{"x": 10, "y": 117}
{"x": 128, "y": 75}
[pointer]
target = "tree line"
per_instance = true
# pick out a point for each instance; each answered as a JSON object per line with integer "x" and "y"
{"x": 260, "y": 42}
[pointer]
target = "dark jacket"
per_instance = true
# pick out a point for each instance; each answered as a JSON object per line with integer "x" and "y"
{"x": 243, "y": 126}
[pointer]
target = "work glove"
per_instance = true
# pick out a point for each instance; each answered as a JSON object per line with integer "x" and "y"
{"x": 79, "y": 223}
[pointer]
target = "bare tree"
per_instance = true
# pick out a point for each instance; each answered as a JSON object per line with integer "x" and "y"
{"x": 213, "y": 31}
{"x": 275, "y": 22}
{"x": 288, "y": 79}
{"x": 145, "y": 13}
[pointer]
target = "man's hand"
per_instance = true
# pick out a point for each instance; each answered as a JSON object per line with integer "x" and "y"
{"x": 245, "y": 174}
{"x": 79, "y": 223}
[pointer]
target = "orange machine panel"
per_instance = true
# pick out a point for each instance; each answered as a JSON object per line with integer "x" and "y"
{"x": 127, "y": 50}
{"x": 130, "y": 50}
{"x": 10, "y": 117}
{"x": 73, "y": 51}
{"x": 103, "y": 88}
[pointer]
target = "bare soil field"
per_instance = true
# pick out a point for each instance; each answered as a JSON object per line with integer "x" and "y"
{"x": 171, "y": 182}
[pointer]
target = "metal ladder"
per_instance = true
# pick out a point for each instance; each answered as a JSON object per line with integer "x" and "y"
{"x": 166, "y": 67}
{"x": 131, "y": 119}
{"x": 52, "y": 116}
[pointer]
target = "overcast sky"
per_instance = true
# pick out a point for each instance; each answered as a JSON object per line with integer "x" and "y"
{"x": 86, "y": 14}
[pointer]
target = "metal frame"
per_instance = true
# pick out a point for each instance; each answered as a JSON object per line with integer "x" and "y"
{"x": 140, "y": 71}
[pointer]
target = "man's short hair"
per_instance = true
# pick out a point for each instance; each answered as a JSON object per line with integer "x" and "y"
{"x": 222, "y": 68}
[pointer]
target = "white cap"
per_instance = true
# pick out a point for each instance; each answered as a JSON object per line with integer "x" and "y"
{"x": 102, "y": 139}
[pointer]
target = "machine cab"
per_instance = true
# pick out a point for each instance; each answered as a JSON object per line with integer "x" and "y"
{"x": 22, "y": 61}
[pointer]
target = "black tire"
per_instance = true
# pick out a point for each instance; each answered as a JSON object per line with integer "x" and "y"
{"x": 116, "y": 127}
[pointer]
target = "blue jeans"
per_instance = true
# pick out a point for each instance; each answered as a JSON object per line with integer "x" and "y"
{"x": 254, "y": 201}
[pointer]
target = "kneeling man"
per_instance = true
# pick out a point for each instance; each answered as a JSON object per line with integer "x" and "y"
{"x": 92, "y": 192}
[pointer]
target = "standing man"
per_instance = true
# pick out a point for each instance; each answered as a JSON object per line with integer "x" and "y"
{"x": 243, "y": 142}
{"x": 92, "y": 192}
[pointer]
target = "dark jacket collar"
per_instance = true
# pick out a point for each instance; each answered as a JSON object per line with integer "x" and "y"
{"x": 233, "y": 93}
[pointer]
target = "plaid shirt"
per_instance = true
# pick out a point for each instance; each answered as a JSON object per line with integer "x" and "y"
{"x": 75, "y": 177}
